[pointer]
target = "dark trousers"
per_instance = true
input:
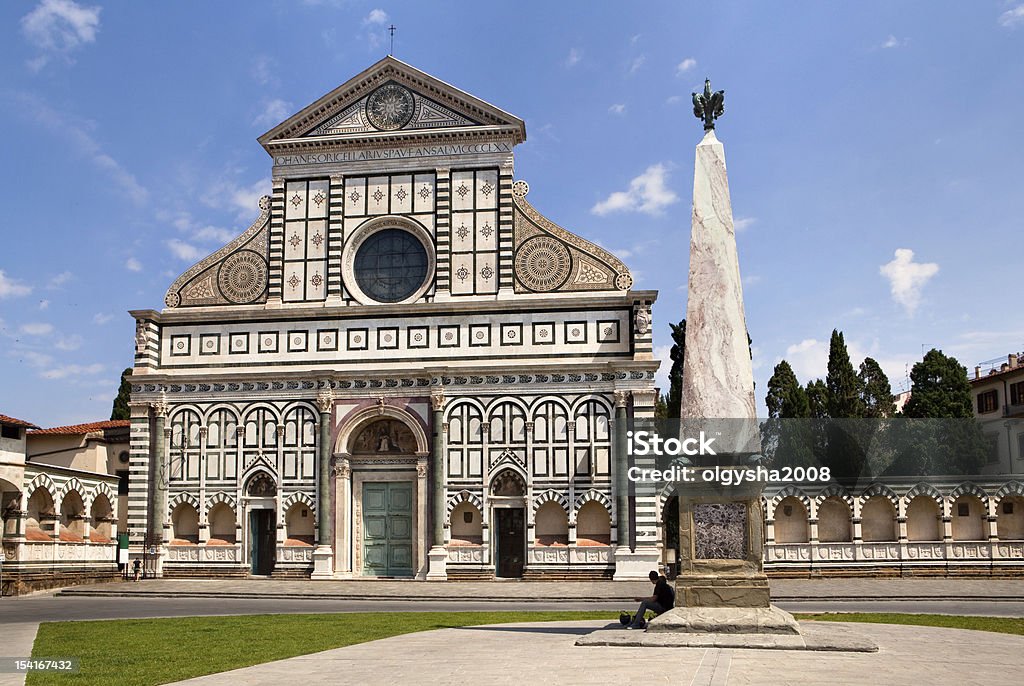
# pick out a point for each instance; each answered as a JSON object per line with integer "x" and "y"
{"x": 645, "y": 605}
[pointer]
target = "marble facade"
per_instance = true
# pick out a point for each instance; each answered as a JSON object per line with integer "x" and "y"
{"x": 399, "y": 368}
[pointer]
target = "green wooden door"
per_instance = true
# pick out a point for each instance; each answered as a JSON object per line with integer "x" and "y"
{"x": 387, "y": 528}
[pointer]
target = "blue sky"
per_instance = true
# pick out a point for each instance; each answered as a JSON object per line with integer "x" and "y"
{"x": 874, "y": 153}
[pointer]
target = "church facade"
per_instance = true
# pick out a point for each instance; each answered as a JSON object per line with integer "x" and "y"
{"x": 400, "y": 369}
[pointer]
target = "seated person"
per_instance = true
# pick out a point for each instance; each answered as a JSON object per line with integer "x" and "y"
{"x": 662, "y": 601}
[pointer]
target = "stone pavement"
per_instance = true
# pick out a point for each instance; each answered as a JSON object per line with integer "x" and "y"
{"x": 529, "y": 654}
{"x": 17, "y": 643}
{"x": 357, "y": 589}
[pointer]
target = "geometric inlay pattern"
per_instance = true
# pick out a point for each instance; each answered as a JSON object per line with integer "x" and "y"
{"x": 542, "y": 263}
{"x": 242, "y": 277}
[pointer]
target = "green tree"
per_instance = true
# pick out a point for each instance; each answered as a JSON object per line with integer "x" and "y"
{"x": 939, "y": 389}
{"x": 661, "y": 407}
{"x": 787, "y": 437}
{"x": 786, "y": 399}
{"x": 817, "y": 398}
{"x": 942, "y": 436}
{"x": 875, "y": 391}
{"x": 675, "y": 374}
{"x": 844, "y": 395}
{"x": 124, "y": 394}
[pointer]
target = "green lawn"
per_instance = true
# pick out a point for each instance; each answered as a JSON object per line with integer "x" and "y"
{"x": 134, "y": 652}
{"x": 1002, "y": 625}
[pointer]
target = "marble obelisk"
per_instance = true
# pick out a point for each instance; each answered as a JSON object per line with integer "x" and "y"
{"x": 721, "y": 585}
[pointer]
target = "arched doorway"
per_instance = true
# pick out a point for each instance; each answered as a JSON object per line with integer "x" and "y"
{"x": 386, "y": 499}
{"x": 508, "y": 491}
{"x": 260, "y": 492}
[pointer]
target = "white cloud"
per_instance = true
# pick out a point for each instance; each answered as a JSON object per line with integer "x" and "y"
{"x": 264, "y": 71}
{"x": 808, "y": 358}
{"x": 72, "y": 370}
{"x": 750, "y": 280}
{"x": 35, "y": 359}
{"x": 1012, "y": 18}
{"x": 685, "y": 66}
{"x": 893, "y": 42}
{"x": 44, "y": 304}
{"x": 77, "y": 133}
{"x": 647, "y": 193}
{"x": 183, "y": 251}
{"x": 637, "y": 63}
{"x": 58, "y": 27}
{"x": 36, "y": 328}
{"x": 72, "y": 342}
{"x": 617, "y": 108}
{"x": 377, "y": 16}
{"x": 575, "y": 55}
{"x": 59, "y": 280}
{"x": 274, "y": 112}
{"x": 100, "y": 318}
{"x": 743, "y": 223}
{"x": 226, "y": 194}
{"x": 133, "y": 265}
{"x": 907, "y": 278}
{"x": 12, "y": 288}
{"x": 673, "y": 99}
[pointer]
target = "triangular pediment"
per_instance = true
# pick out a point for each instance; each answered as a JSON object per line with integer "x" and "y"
{"x": 392, "y": 100}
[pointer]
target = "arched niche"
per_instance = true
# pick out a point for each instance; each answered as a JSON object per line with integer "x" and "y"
{"x": 102, "y": 516}
{"x": 593, "y": 524}
{"x": 382, "y": 430}
{"x": 791, "y": 523}
{"x": 508, "y": 483}
{"x": 923, "y": 519}
{"x": 877, "y": 520}
{"x": 551, "y": 525}
{"x": 467, "y": 526}
{"x": 968, "y": 519}
{"x": 834, "y": 521}
{"x": 184, "y": 525}
{"x": 299, "y": 525}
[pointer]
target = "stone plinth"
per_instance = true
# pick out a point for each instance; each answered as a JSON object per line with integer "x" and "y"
{"x": 323, "y": 563}
{"x": 726, "y": 620}
{"x": 637, "y": 564}
{"x": 437, "y": 569}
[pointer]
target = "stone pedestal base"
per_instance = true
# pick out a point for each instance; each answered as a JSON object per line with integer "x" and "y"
{"x": 437, "y": 569}
{"x": 726, "y": 620}
{"x": 723, "y": 590}
{"x": 323, "y": 563}
{"x": 636, "y": 565}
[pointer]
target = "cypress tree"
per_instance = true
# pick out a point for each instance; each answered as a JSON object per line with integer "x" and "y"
{"x": 675, "y": 375}
{"x": 844, "y": 395}
{"x": 875, "y": 391}
{"x": 786, "y": 399}
{"x": 120, "y": 409}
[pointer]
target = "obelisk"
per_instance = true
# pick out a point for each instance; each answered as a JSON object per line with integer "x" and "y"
{"x": 721, "y": 586}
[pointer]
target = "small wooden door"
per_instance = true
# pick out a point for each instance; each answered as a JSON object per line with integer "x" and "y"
{"x": 511, "y": 542}
{"x": 387, "y": 528}
{"x": 262, "y": 540}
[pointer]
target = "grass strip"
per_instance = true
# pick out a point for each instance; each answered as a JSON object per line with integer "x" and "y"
{"x": 140, "y": 652}
{"x": 1001, "y": 625}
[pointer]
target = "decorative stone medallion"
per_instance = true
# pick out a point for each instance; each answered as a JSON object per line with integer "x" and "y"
{"x": 390, "y": 107}
{"x": 243, "y": 277}
{"x": 542, "y": 263}
{"x": 720, "y": 531}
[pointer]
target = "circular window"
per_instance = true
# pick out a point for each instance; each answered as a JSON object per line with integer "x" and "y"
{"x": 391, "y": 265}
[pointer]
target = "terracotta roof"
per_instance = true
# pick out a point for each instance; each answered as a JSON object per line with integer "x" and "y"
{"x": 83, "y": 428}
{"x": 4, "y": 419}
{"x": 995, "y": 374}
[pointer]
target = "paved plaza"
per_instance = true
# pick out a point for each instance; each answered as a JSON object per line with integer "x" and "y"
{"x": 520, "y": 654}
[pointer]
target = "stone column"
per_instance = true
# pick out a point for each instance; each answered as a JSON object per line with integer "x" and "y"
{"x": 629, "y": 564}
{"x": 342, "y": 525}
{"x": 323, "y": 556}
{"x": 438, "y": 566}
{"x": 156, "y": 527}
